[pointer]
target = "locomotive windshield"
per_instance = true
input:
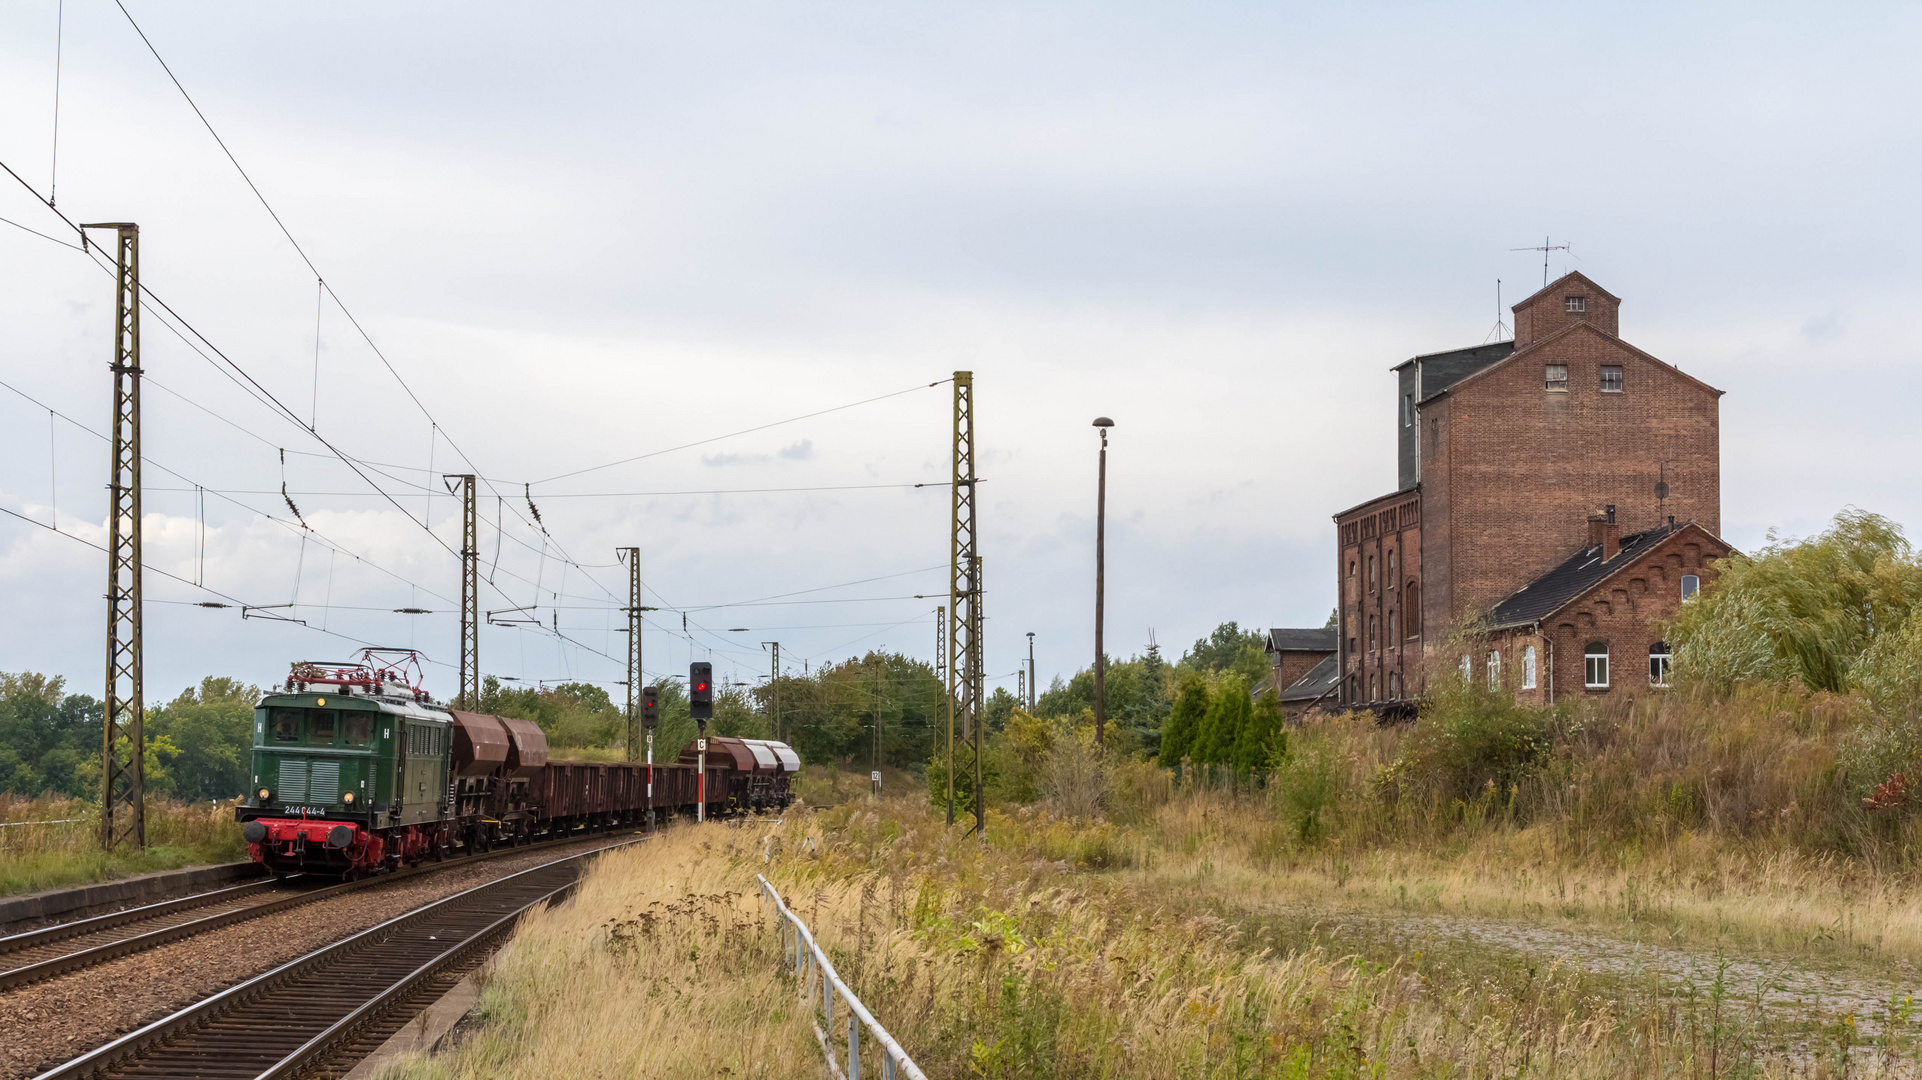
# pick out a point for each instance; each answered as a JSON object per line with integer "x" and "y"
{"x": 321, "y": 727}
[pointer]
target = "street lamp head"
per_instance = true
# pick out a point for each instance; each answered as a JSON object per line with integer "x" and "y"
{"x": 1102, "y": 421}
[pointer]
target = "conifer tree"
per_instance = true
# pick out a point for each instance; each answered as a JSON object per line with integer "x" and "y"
{"x": 1223, "y": 725}
{"x": 1184, "y": 721}
{"x": 1266, "y": 737}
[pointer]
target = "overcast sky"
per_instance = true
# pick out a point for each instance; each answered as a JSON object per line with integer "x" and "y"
{"x": 588, "y": 232}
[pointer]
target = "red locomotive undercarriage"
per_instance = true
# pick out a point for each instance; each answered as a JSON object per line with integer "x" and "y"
{"x": 343, "y": 847}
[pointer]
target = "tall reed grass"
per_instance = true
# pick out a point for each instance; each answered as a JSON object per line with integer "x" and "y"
{"x": 52, "y": 843}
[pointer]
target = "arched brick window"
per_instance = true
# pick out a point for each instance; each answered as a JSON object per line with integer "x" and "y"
{"x": 1595, "y": 665}
{"x": 1411, "y": 605}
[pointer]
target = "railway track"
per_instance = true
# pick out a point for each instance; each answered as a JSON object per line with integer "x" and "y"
{"x": 326, "y": 1009}
{"x": 72, "y": 946}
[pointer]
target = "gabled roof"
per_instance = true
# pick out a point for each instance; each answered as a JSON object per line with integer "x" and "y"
{"x": 1319, "y": 680}
{"x": 1557, "y": 286}
{"x": 1574, "y": 578}
{"x": 1577, "y": 327}
{"x": 1317, "y": 639}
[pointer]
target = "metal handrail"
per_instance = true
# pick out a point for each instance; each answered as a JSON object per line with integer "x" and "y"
{"x": 894, "y": 1060}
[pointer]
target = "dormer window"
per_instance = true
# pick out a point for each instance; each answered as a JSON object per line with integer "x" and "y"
{"x": 1557, "y": 376}
{"x": 1575, "y": 305}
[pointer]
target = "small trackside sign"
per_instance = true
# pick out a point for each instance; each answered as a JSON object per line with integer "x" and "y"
{"x": 701, "y": 745}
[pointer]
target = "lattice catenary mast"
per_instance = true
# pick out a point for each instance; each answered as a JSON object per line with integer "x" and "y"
{"x": 964, "y": 606}
{"x": 632, "y": 556}
{"x": 123, "y": 739}
{"x": 470, "y": 695}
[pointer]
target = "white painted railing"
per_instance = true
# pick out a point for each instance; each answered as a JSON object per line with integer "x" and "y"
{"x": 809, "y": 963}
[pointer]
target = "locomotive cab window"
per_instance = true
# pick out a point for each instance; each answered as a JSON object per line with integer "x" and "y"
{"x": 286, "y": 725}
{"x": 320, "y": 727}
{"x": 359, "y": 729}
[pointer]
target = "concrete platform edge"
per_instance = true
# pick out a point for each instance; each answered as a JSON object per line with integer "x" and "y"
{"x": 56, "y": 903}
{"x": 425, "y": 1033}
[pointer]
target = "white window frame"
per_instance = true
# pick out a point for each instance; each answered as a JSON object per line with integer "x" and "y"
{"x": 1468, "y": 671}
{"x": 1658, "y": 676}
{"x": 1691, "y": 585}
{"x": 1495, "y": 669}
{"x": 1408, "y": 410}
{"x": 1590, "y": 668}
{"x": 1555, "y": 385}
{"x": 1621, "y": 378}
{"x": 1575, "y": 305}
{"x": 1528, "y": 667}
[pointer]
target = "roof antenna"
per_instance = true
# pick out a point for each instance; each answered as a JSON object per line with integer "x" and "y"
{"x": 1500, "y": 326}
{"x": 1544, "y": 249}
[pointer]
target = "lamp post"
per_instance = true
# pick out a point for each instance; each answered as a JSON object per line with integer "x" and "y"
{"x": 1032, "y": 673}
{"x": 1102, "y": 423}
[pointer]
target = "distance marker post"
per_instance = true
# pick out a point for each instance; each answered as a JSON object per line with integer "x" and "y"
{"x": 650, "y": 719}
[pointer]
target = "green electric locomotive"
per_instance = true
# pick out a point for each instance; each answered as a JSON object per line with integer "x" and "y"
{"x": 357, "y": 769}
{"x": 350, "y": 769}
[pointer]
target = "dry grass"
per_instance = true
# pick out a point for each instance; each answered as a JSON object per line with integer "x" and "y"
{"x": 1301, "y": 923}
{"x": 1008, "y": 959}
{"x": 662, "y": 966}
{"x": 65, "y": 851}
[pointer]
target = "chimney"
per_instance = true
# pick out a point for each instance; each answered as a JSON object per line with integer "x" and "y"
{"x": 1611, "y": 535}
{"x": 1596, "y": 524}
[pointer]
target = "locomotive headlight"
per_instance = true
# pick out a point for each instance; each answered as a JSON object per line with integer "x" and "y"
{"x": 264, "y": 794}
{"x": 348, "y": 798}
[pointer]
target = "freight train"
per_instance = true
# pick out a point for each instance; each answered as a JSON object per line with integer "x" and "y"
{"x": 356, "y": 770}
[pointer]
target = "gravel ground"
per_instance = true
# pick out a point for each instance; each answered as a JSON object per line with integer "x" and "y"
{"x": 44, "y": 1024}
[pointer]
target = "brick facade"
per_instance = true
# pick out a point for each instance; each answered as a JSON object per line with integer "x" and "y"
{"x": 1511, "y": 464}
{"x": 1622, "y": 615}
{"x": 1380, "y": 620}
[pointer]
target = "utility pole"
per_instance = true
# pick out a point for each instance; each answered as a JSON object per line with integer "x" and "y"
{"x": 123, "y": 747}
{"x": 1101, "y": 424}
{"x": 633, "y": 557}
{"x": 977, "y": 676}
{"x": 964, "y": 607}
{"x": 469, "y": 596}
{"x": 774, "y": 690}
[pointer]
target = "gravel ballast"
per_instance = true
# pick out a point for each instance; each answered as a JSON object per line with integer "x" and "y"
{"x": 46, "y": 1023}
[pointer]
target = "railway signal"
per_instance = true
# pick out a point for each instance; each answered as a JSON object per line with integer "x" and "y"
{"x": 700, "y": 692}
{"x": 700, "y": 705}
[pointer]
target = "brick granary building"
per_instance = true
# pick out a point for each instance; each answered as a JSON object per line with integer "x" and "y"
{"x": 1561, "y": 492}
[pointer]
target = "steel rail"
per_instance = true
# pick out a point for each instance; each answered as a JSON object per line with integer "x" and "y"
{"x": 894, "y": 1060}
{"x": 113, "y": 950}
{"x": 330, "y": 1019}
{"x": 61, "y": 931}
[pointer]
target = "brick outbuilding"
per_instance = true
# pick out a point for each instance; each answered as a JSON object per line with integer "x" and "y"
{"x": 1505, "y": 451}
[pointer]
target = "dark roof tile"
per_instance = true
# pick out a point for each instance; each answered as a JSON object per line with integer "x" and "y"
{"x": 1548, "y": 593}
{"x": 1319, "y": 680}
{"x": 1305, "y": 640}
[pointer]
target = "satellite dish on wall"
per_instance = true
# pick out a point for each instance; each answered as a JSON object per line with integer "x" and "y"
{"x": 1661, "y": 489}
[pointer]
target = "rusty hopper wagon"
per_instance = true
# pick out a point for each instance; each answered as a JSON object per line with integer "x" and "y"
{"x": 356, "y": 770}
